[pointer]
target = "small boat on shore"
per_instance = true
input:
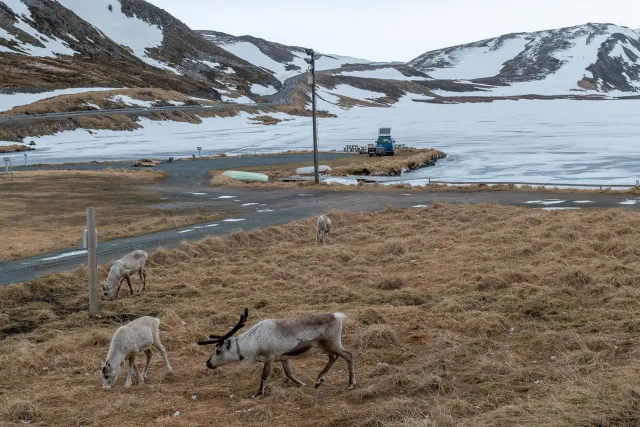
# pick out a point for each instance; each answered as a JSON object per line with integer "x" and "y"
{"x": 246, "y": 176}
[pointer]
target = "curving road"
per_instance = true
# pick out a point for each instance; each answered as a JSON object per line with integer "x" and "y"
{"x": 187, "y": 185}
{"x": 283, "y": 97}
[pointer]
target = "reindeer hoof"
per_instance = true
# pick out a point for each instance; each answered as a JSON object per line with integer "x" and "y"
{"x": 351, "y": 386}
{"x": 256, "y": 396}
{"x": 127, "y": 384}
{"x": 300, "y": 385}
{"x": 319, "y": 383}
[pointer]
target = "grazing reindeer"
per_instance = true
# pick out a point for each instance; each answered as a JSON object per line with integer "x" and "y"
{"x": 122, "y": 270}
{"x": 281, "y": 340}
{"x": 323, "y": 228}
{"x": 137, "y": 336}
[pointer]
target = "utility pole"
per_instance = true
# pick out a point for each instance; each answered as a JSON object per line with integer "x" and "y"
{"x": 312, "y": 81}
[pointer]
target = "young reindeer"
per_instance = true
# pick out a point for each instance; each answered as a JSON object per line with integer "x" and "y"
{"x": 280, "y": 341}
{"x": 122, "y": 270}
{"x": 323, "y": 228}
{"x": 137, "y": 336}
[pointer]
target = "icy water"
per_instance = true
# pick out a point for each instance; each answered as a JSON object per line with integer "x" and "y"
{"x": 550, "y": 141}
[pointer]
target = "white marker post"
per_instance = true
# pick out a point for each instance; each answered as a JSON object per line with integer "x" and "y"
{"x": 7, "y": 166}
{"x": 402, "y": 172}
{"x": 25, "y": 159}
{"x": 92, "y": 265}
{"x": 199, "y": 152}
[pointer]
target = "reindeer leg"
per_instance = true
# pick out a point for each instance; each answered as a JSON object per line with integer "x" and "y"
{"x": 263, "y": 381}
{"x": 346, "y": 355}
{"x": 146, "y": 365}
{"x": 132, "y": 359}
{"x": 332, "y": 360}
{"x": 287, "y": 371}
{"x": 144, "y": 279}
{"x": 157, "y": 344}
{"x": 118, "y": 290}
{"x": 135, "y": 371}
{"x": 128, "y": 278}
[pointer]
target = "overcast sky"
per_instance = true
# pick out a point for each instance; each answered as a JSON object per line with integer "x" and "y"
{"x": 392, "y": 30}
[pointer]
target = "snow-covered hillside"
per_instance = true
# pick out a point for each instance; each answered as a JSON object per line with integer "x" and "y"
{"x": 132, "y": 32}
{"x": 281, "y": 60}
{"x": 135, "y": 41}
{"x": 591, "y": 57}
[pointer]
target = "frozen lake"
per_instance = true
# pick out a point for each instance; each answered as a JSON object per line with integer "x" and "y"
{"x": 551, "y": 141}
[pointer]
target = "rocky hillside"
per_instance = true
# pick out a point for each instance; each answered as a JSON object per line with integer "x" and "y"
{"x": 591, "y": 57}
{"x": 280, "y": 60}
{"x": 48, "y": 44}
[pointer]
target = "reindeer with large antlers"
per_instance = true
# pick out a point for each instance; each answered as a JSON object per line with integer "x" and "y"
{"x": 271, "y": 341}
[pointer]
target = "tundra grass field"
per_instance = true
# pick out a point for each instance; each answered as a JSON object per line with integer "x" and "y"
{"x": 40, "y": 214}
{"x": 457, "y": 316}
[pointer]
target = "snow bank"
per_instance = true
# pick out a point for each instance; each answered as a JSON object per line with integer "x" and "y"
{"x": 341, "y": 181}
{"x": 7, "y": 102}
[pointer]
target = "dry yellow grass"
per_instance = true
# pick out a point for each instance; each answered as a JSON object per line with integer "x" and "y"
{"x": 40, "y": 214}
{"x": 458, "y": 316}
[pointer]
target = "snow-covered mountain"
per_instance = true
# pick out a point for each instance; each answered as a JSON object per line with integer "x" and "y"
{"x": 280, "y": 60}
{"x": 121, "y": 35}
{"x": 591, "y": 57}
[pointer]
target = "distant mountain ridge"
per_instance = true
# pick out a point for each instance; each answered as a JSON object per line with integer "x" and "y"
{"x": 598, "y": 57}
{"x": 281, "y": 60}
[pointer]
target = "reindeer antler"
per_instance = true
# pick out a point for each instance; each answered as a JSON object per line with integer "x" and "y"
{"x": 219, "y": 339}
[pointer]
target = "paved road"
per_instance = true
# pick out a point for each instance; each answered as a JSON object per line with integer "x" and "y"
{"x": 283, "y": 97}
{"x": 187, "y": 183}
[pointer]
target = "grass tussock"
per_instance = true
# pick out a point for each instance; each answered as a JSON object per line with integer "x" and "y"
{"x": 391, "y": 166}
{"x": 508, "y": 322}
{"x": 39, "y": 214}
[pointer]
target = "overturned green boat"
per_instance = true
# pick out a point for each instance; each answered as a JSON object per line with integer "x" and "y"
{"x": 246, "y": 176}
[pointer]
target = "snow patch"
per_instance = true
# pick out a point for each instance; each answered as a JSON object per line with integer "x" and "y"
{"x": 342, "y": 181}
{"x": 545, "y": 202}
{"x": 131, "y": 32}
{"x": 263, "y": 90}
{"x": 127, "y": 100}
{"x": 65, "y": 255}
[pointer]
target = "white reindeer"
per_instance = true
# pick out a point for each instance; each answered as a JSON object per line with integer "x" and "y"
{"x": 323, "y": 228}
{"x": 122, "y": 270}
{"x": 281, "y": 340}
{"x": 133, "y": 338}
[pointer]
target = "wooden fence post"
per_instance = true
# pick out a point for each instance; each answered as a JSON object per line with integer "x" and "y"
{"x": 92, "y": 244}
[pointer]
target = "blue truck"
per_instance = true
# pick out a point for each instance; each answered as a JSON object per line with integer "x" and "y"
{"x": 384, "y": 146}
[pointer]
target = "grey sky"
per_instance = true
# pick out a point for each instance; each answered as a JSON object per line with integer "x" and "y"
{"x": 392, "y": 30}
